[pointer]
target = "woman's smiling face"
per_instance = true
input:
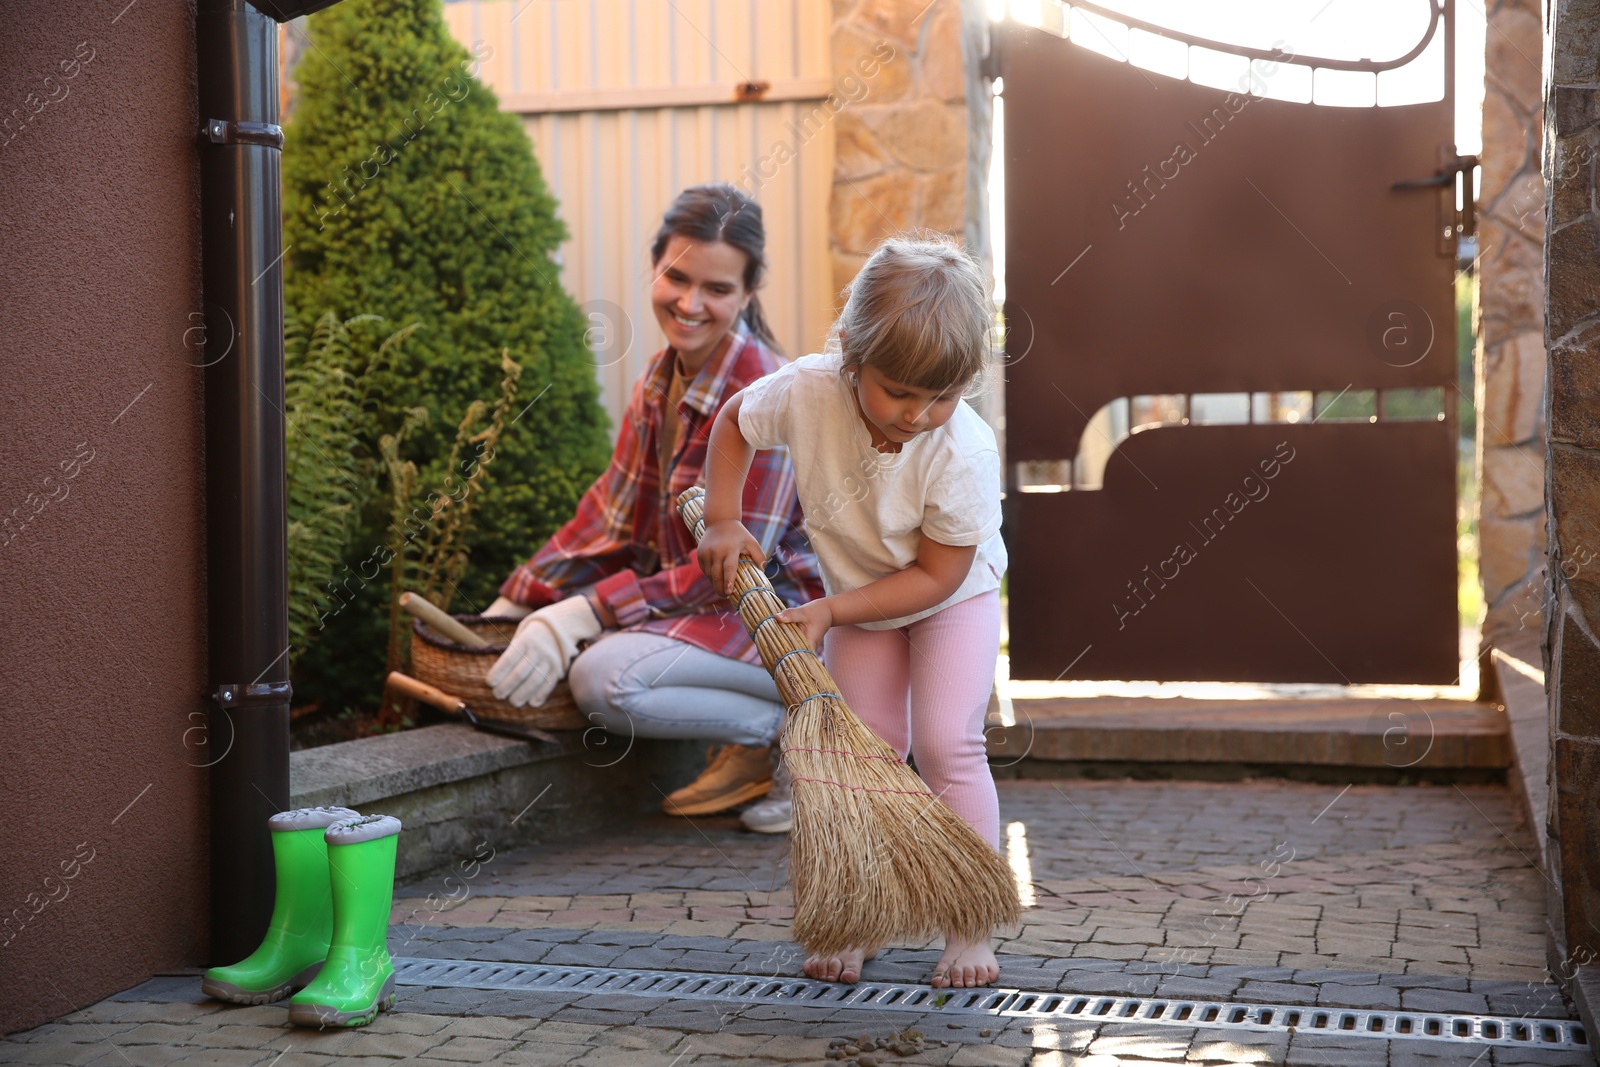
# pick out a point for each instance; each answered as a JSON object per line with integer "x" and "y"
{"x": 698, "y": 294}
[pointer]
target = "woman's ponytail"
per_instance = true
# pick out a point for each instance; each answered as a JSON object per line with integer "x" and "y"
{"x": 755, "y": 320}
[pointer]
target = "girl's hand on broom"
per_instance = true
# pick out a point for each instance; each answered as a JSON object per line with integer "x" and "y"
{"x": 815, "y": 618}
{"x": 724, "y": 542}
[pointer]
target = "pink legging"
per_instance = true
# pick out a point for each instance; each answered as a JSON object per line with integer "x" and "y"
{"x": 925, "y": 688}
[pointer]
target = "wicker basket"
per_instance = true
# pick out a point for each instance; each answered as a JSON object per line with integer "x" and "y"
{"x": 462, "y": 672}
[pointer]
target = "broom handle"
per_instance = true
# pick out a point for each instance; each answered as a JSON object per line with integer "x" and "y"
{"x": 757, "y": 603}
{"x": 425, "y": 610}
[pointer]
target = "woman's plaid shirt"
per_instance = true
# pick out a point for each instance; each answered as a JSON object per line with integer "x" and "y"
{"x": 627, "y": 540}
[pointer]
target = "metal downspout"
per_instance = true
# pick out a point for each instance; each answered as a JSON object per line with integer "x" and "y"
{"x": 246, "y": 494}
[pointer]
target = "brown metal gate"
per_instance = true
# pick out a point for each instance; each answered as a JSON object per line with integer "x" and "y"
{"x": 1171, "y": 246}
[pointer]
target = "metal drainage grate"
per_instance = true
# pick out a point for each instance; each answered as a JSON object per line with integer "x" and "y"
{"x": 1011, "y": 1003}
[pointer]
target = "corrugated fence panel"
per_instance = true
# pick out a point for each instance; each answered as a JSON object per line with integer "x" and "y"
{"x": 629, "y": 101}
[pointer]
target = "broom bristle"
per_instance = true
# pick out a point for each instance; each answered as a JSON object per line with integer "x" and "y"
{"x": 875, "y": 856}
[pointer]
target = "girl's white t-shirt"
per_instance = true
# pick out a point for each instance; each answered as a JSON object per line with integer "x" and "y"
{"x": 866, "y": 511}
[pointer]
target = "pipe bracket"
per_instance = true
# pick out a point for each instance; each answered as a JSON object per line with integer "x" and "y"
{"x": 224, "y": 131}
{"x": 257, "y": 694}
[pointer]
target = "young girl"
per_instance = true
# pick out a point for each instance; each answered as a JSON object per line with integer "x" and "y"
{"x": 899, "y": 480}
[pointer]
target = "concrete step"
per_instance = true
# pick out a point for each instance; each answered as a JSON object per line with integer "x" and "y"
{"x": 1421, "y": 737}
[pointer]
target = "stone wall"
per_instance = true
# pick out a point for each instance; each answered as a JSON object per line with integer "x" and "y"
{"x": 1510, "y": 390}
{"x": 461, "y": 794}
{"x": 900, "y": 155}
{"x": 1572, "y": 456}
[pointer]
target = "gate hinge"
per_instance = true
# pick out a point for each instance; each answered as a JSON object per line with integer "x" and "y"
{"x": 1454, "y": 224}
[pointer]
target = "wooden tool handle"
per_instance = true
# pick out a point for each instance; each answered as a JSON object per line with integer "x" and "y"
{"x": 426, "y": 693}
{"x": 423, "y": 609}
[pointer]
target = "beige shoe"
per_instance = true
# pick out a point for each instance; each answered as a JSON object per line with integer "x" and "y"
{"x": 735, "y": 774}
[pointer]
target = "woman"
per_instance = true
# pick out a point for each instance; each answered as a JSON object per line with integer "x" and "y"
{"x": 668, "y": 658}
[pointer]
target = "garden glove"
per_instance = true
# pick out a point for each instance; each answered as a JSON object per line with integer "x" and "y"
{"x": 545, "y": 646}
{"x": 506, "y": 608}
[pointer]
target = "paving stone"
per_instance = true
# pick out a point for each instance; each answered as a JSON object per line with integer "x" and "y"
{"x": 1198, "y": 988}
{"x": 526, "y": 1056}
{"x": 625, "y": 1057}
{"x": 471, "y": 934}
{"x": 228, "y": 1057}
{"x": 1318, "y": 976}
{"x": 546, "y": 934}
{"x": 166, "y": 989}
{"x": 1425, "y": 981}
{"x": 1331, "y": 1050}
{"x": 1535, "y": 1004}
{"x": 155, "y": 1034}
{"x": 649, "y": 959}
{"x": 626, "y": 938}
{"x": 710, "y": 962}
{"x": 391, "y": 1044}
{"x": 574, "y": 1014}
{"x": 711, "y": 944}
{"x": 1110, "y": 951}
{"x": 74, "y": 1032}
{"x": 403, "y": 1021}
{"x": 583, "y": 955}
{"x": 563, "y": 1032}
{"x": 1420, "y": 1053}
{"x": 1501, "y": 985}
{"x": 54, "y": 1053}
{"x": 1541, "y": 1057}
{"x": 794, "y": 1027}
{"x": 990, "y": 1056}
{"x": 142, "y": 1055}
{"x": 1435, "y": 953}
{"x": 1337, "y": 995}
{"x": 240, "y": 1036}
{"x": 1237, "y": 1046}
{"x": 677, "y": 1016}
{"x": 1140, "y": 1040}
{"x": 1259, "y": 974}
{"x": 306, "y": 1059}
{"x": 171, "y": 1011}
{"x": 1040, "y": 977}
{"x": 1108, "y": 983}
{"x": 1445, "y": 1000}
{"x": 441, "y": 1001}
{"x": 1276, "y": 993}
{"x": 1087, "y": 964}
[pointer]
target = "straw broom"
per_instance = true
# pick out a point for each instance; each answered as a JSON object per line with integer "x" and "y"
{"x": 875, "y": 856}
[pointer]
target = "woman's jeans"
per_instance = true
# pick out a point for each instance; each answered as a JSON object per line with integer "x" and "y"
{"x": 641, "y": 684}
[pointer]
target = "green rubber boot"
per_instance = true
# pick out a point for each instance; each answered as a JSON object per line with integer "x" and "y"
{"x": 302, "y": 914}
{"x": 357, "y": 981}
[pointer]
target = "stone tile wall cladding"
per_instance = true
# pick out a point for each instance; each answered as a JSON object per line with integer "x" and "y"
{"x": 1511, "y": 426}
{"x": 900, "y": 149}
{"x": 1572, "y": 332}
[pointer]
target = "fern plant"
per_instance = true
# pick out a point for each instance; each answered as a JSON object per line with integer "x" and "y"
{"x": 401, "y": 475}
{"x": 443, "y": 553}
{"x": 428, "y": 546}
{"x": 330, "y": 385}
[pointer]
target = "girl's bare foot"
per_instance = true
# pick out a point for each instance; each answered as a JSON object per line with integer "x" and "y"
{"x": 966, "y": 964}
{"x": 839, "y": 967}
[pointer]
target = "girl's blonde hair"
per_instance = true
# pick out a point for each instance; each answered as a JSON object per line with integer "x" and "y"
{"x": 919, "y": 312}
